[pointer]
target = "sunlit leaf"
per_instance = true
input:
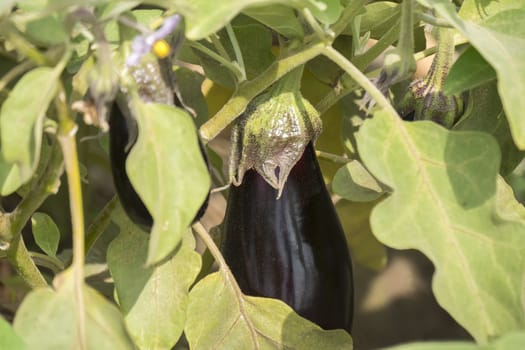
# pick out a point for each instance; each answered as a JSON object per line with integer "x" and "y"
{"x": 507, "y": 342}
{"x": 8, "y": 338}
{"x": 152, "y": 299}
{"x": 235, "y": 321}
{"x": 47, "y": 319}
{"x": 168, "y": 172}
{"x": 443, "y": 204}
{"x": 355, "y": 183}
{"x": 22, "y": 118}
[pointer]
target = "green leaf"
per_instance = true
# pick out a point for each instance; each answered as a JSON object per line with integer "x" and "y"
{"x": 280, "y": 18}
{"x": 47, "y": 319}
{"x": 189, "y": 85}
{"x": 500, "y": 39}
{"x": 234, "y": 321}
{"x": 378, "y": 19}
{"x": 485, "y": 113}
{"x": 355, "y": 183}
{"x": 153, "y": 299}
{"x": 46, "y": 233}
{"x": 168, "y": 172}
{"x": 45, "y": 31}
{"x": 205, "y": 17}
{"x": 469, "y": 71}
{"x": 366, "y": 249}
{"x": 8, "y": 338}
{"x": 444, "y": 205}
{"x": 6, "y": 6}
{"x": 22, "y": 118}
{"x": 476, "y": 10}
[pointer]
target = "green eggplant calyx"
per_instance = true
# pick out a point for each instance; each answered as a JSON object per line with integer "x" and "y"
{"x": 272, "y": 134}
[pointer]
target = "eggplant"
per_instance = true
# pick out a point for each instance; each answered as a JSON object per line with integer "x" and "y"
{"x": 123, "y": 133}
{"x": 292, "y": 248}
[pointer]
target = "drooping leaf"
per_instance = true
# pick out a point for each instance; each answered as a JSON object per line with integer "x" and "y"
{"x": 476, "y": 11}
{"x": 8, "y": 338}
{"x": 235, "y": 321}
{"x": 47, "y": 319}
{"x": 484, "y": 112}
{"x": 378, "y": 18}
{"x": 168, "y": 172}
{"x": 364, "y": 246}
{"x": 443, "y": 204}
{"x": 500, "y": 39}
{"x": 22, "y": 118}
{"x": 354, "y": 183}
{"x": 152, "y": 299}
{"x": 469, "y": 71}
{"x": 205, "y": 17}
{"x": 46, "y": 233}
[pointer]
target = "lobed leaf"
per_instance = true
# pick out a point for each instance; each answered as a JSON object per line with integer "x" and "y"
{"x": 152, "y": 299}
{"x": 444, "y": 204}
{"x": 168, "y": 172}
{"x": 220, "y": 317}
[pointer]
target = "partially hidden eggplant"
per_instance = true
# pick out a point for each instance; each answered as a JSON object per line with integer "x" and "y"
{"x": 156, "y": 83}
{"x": 281, "y": 236}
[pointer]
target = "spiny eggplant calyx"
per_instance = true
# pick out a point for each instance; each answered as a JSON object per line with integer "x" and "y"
{"x": 272, "y": 134}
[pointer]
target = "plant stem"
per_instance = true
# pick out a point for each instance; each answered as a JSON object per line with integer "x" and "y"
{"x": 52, "y": 263}
{"x": 249, "y": 89}
{"x": 225, "y": 269}
{"x": 66, "y": 136}
{"x": 332, "y": 157}
{"x": 237, "y": 50}
{"x": 19, "y": 257}
{"x": 100, "y": 223}
{"x": 437, "y": 22}
{"x": 443, "y": 60}
{"x": 212, "y": 54}
{"x": 360, "y": 78}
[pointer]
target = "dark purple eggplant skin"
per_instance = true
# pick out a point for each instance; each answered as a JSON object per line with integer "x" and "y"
{"x": 119, "y": 147}
{"x": 292, "y": 248}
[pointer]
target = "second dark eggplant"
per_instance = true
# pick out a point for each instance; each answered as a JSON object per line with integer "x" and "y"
{"x": 292, "y": 248}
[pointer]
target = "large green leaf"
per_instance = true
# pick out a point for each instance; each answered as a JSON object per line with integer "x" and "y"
{"x": 47, "y": 319}
{"x": 21, "y": 121}
{"x": 220, "y": 317}
{"x": 476, "y": 10}
{"x": 204, "y": 17}
{"x": 444, "y": 205}
{"x": 280, "y": 18}
{"x": 500, "y": 39}
{"x": 8, "y": 338}
{"x": 152, "y": 299}
{"x": 169, "y": 173}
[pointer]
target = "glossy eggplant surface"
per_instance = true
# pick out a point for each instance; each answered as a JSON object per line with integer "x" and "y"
{"x": 292, "y": 248}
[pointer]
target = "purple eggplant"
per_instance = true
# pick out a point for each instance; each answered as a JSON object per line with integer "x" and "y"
{"x": 292, "y": 248}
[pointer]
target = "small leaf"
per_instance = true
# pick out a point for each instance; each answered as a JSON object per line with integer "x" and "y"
{"x": 153, "y": 299}
{"x": 46, "y": 233}
{"x": 443, "y": 204}
{"x": 189, "y": 85}
{"x": 235, "y": 321}
{"x": 168, "y": 172}
{"x": 48, "y": 30}
{"x": 354, "y": 183}
{"x": 22, "y": 117}
{"x": 500, "y": 39}
{"x": 469, "y": 71}
{"x": 9, "y": 340}
{"x": 355, "y": 219}
{"x": 47, "y": 319}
